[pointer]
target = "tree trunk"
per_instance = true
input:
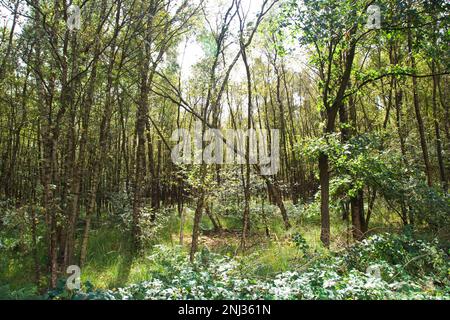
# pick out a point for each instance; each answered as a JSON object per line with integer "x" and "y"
{"x": 437, "y": 131}
{"x": 99, "y": 159}
{"x": 324, "y": 177}
{"x": 196, "y": 227}
{"x": 420, "y": 125}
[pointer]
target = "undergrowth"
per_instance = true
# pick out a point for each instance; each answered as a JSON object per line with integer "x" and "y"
{"x": 384, "y": 266}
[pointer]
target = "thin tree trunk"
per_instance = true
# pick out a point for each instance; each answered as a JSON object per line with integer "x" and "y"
{"x": 196, "y": 227}
{"x": 99, "y": 159}
{"x": 324, "y": 177}
{"x": 437, "y": 131}
{"x": 420, "y": 125}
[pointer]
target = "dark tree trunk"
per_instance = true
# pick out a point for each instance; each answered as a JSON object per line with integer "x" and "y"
{"x": 324, "y": 177}
{"x": 420, "y": 124}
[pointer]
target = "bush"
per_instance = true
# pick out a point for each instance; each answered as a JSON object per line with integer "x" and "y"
{"x": 364, "y": 161}
{"x": 408, "y": 269}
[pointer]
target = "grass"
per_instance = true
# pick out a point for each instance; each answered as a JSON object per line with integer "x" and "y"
{"x": 109, "y": 262}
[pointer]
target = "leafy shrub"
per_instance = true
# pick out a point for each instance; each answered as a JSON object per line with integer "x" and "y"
{"x": 151, "y": 221}
{"x": 365, "y": 161}
{"x": 400, "y": 256}
{"x": 27, "y": 292}
{"x": 301, "y": 243}
{"x": 409, "y": 269}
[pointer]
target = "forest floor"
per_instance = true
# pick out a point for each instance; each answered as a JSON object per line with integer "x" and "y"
{"x": 110, "y": 264}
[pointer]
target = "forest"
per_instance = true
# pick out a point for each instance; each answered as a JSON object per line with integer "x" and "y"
{"x": 224, "y": 149}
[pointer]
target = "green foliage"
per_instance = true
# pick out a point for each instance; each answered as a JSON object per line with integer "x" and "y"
{"x": 409, "y": 268}
{"x": 367, "y": 161}
{"x": 74, "y": 113}
{"x": 400, "y": 256}
{"x": 26, "y": 292}
{"x": 152, "y": 222}
{"x": 301, "y": 243}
